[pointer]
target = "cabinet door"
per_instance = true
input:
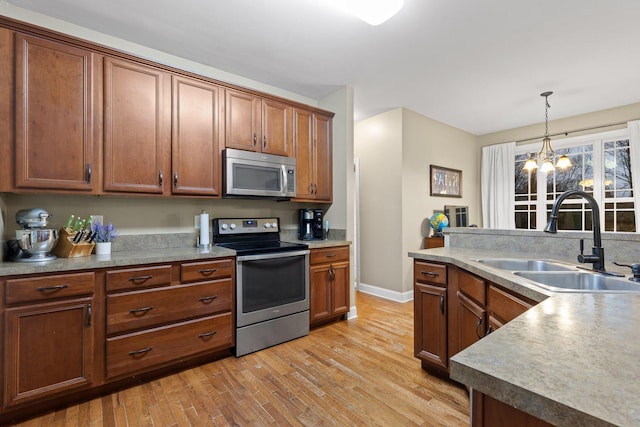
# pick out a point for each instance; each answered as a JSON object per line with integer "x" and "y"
{"x": 323, "y": 190}
{"x": 319, "y": 293}
{"x": 195, "y": 153}
{"x": 49, "y": 349}
{"x": 54, "y": 117}
{"x": 136, "y": 127}
{"x": 430, "y": 330}
{"x": 242, "y": 121}
{"x": 340, "y": 288}
{"x": 303, "y": 142}
{"x": 472, "y": 322}
{"x": 276, "y": 128}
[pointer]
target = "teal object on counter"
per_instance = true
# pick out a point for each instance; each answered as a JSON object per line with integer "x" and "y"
{"x": 438, "y": 222}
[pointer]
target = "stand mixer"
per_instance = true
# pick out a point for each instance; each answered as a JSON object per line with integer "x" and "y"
{"x": 34, "y": 241}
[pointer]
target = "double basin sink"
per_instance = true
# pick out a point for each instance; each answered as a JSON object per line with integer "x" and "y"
{"x": 560, "y": 277}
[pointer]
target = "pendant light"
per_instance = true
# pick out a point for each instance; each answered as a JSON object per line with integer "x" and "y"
{"x": 546, "y": 155}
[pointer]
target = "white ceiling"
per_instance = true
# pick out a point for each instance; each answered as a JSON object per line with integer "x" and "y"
{"x": 479, "y": 65}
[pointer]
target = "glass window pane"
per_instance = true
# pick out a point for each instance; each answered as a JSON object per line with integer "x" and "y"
{"x": 626, "y": 221}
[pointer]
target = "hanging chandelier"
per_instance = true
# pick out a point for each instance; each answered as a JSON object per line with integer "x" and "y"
{"x": 546, "y": 155}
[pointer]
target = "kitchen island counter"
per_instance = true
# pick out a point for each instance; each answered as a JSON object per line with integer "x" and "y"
{"x": 570, "y": 360}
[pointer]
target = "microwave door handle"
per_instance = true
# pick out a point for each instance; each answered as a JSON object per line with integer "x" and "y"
{"x": 285, "y": 185}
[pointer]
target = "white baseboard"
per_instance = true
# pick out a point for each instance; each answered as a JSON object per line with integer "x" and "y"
{"x": 353, "y": 313}
{"x": 386, "y": 293}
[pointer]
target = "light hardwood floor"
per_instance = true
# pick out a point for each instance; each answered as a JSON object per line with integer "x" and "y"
{"x": 359, "y": 372}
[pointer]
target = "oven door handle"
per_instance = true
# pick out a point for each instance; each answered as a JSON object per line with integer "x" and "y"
{"x": 272, "y": 255}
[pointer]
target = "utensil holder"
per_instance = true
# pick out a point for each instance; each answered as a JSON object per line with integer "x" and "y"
{"x": 65, "y": 248}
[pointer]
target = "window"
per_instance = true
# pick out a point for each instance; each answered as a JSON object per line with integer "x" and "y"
{"x": 601, "y": 168}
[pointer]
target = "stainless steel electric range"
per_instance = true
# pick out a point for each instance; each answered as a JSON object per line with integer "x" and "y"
{"x": 272, "y": 282}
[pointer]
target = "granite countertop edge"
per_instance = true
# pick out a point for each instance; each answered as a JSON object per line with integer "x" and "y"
{"x": 509, "y": 374}
{"x": 138, "y": 257}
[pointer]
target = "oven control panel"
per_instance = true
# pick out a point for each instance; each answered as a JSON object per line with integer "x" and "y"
{"x": 246, "y": 225}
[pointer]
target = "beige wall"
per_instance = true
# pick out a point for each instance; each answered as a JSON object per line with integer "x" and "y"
{"x": 395, "y": 150}
{"x": 429, "y": 142}
{"x": 623, "y": 113}
{"x": 378, "y": 146}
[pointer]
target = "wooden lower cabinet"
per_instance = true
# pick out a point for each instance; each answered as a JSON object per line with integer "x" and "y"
{"x": 430, "y": 315}
{"x": 430, "y": 328}
{"x": 490, "y": 412}
{"x": 453, "y": 309}
{"x": 329, "y": 284}
{"x": 73, "y": 335}
{"x": 132, "y": 353}
{"x": 49, "y": 349}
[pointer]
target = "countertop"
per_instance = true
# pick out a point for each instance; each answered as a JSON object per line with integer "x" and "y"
{"x": 570, "y": 360}
{"x": 127, "y": 258}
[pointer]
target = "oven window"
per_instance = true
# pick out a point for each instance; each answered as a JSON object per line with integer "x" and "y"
{"x": 272, "y": 282}
{"x": 248, "y": 177}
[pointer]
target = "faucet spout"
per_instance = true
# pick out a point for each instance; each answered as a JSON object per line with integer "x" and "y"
{"x": 597, "y": 254}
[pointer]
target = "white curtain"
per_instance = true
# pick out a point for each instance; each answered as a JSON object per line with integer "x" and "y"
{"x": 498, "y": 186}
{"x": 634, "y": 153}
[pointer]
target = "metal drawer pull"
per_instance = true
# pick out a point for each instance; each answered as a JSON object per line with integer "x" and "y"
{"x": 89, "y": 315}
{"x": 143, "y": 351}
{"x": 430, "y": 273}
{"x": 208, "y": 271}
{"x": 140, "y": 278}
{"x": 142, "y": 310}
{"x": 207, "y": 334}
{"x": 331, "y": 255}
{"x": 208, "y": 299}
{"x": 52, "y": 288}
{"x": 442, "y": 304}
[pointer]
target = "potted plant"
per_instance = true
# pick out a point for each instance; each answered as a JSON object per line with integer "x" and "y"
{"x": 104, "y": 234}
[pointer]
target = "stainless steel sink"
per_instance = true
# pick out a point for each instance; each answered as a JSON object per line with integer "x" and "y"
{"x": 579, "y": 281}
{"x": 517, "y": 264}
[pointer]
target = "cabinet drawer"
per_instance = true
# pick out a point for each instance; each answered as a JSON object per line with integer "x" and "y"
{"x": 504, "y": 306}
{"x": 48, "y": 287}
{"x": 137, "y": 278}
{"x": 207, "y": 270}
{"x": 472, "y": 286}
{"x": 138, "y": 351}
{"x": 430, "y": 273}
{"x": 151, "y": 307}
{"x": 327, "y": 255}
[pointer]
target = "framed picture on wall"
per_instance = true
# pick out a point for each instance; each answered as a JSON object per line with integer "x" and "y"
{"x": 445, "y": 182}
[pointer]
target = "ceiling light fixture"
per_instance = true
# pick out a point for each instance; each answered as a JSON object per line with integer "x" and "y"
{"x": 546, "y": 155}
{"x": 373, "y": 12}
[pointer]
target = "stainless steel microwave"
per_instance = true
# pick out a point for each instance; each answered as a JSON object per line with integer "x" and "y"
{"x": 249, "y": 174}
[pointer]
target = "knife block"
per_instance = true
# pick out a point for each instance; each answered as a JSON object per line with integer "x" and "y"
{"x": 65, "y": 248}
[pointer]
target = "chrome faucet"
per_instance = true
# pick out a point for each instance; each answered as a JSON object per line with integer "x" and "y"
{"x": 597, "y": 252}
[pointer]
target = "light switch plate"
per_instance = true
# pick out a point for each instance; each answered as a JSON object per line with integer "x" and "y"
{"x": 97, "y": 218}
{"x": 196, "y": 221}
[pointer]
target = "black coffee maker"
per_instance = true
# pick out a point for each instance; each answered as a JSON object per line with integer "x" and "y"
{"x": 310, "y": 224}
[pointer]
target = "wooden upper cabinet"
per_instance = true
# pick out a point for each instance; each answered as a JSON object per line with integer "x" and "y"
{"x": 313, "y": 152}
{"x": 305, "y": 158}
{"x": 137, "y": 101}
{"x": 243, "y": 127}
{"x": 277, "y": 128}
{"x": 257, "y": 124}
{"x": 195, "y": 152}
{"x": 54, "y": 115}
{"x": 324, "y": 159}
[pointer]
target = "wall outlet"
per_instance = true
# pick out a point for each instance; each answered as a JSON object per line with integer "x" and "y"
{"x": 196, "y": 221}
